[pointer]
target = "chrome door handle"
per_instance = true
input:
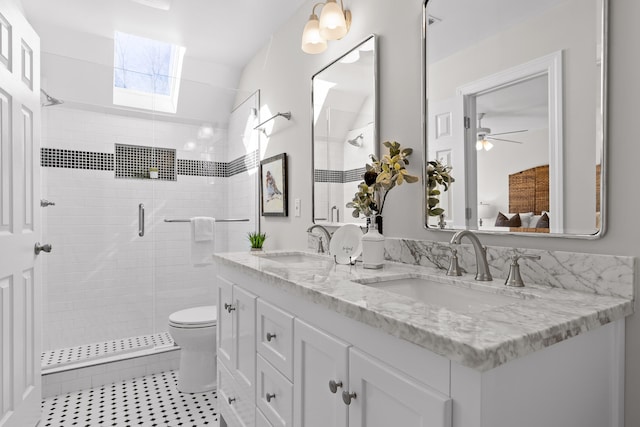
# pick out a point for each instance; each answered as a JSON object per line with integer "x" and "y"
{"x": 140, "y": 220}
{"x": 335, "y": 385}
{"x": 42, "y": 248}
{"x": 270, "y": 336}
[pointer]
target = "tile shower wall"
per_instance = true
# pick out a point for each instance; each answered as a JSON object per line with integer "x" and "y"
{"x": 103, "y": 281}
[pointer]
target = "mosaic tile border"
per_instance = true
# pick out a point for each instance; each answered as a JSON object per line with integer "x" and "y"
{"x": 73, "y": 159}
{"x": 60, "y": 158}
{"x": 338, "y": 176}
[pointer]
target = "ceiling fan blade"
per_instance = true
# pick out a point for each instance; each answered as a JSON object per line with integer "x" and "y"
{"x": 513, "y": 131}
{"x": 506, "y": 140}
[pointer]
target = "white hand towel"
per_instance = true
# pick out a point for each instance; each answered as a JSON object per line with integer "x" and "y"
{"x": 202, "y": 240}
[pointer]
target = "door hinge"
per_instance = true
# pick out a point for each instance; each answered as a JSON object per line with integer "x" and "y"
{"x": 467, "y": 213}
{"x": 467, "y": 122}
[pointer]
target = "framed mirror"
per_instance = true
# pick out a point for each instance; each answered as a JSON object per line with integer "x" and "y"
{"x": 344, "y": 109}
{"x": 514, "y": 97}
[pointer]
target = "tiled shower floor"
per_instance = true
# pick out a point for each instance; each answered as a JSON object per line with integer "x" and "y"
{"x": 90, "y": 351}
{"x": 147, "y": 401}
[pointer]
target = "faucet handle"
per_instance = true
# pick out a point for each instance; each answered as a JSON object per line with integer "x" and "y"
{"x": 454, "y": 267}
{"x": 514, "y": 278}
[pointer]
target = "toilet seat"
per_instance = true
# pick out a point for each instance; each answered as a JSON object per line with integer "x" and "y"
{"x": 196, "y": 317}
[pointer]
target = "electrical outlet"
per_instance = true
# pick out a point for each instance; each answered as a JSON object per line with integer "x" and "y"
{"x": 297, "y": 207}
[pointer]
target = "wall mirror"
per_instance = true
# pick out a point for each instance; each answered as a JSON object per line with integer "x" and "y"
{"x": 514, "y": 105}
{"x": 344, "y": 132}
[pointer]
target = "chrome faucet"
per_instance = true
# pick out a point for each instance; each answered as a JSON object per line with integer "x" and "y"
{"x": 482, "y": 273}
{"x": 326, "y": 232}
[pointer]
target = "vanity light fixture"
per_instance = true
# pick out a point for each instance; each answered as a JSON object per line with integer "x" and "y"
{"x": 333, "y": 24}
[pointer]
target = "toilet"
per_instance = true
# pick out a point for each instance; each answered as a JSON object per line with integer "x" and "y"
{"x": 194, "y": 330}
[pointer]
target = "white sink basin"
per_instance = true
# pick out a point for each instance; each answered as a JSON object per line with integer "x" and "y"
{"x": 294, "y": 258}
{"x": 453, "y": 297}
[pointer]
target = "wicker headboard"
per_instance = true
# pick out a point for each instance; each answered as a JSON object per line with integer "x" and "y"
{"x": 529, "y": 190}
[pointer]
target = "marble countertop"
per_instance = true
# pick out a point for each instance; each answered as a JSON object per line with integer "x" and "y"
{"x": 538, "y": 317}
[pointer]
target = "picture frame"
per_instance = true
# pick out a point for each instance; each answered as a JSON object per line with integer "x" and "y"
{"x": 273, "y": 186}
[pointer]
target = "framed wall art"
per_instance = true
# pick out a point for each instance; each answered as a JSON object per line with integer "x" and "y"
{"x": 273, "y": 186}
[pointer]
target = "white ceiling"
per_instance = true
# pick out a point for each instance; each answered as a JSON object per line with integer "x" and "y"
{"x": 227, "y": 32}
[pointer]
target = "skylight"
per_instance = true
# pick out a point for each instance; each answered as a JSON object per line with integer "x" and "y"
{"x": 146, "y": 73}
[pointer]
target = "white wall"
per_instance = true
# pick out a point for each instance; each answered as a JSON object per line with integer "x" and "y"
{"x": 283, "y": 74}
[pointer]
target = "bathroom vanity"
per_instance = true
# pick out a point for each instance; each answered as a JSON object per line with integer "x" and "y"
{"x": 303, "y": 341}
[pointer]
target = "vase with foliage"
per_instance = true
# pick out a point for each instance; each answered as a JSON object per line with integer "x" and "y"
{"x": 381, "y": 176}
{"x": 438, "y": 176}
{"x": 257, "y": 240}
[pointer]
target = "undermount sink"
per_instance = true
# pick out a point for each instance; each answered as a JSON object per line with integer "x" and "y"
{"x": 453, "y": 297}
{"x": 294, "y": 258}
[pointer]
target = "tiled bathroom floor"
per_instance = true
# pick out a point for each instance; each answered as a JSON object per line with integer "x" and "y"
{"x": 147, "y": 401}
{"x": 91, "y": 351}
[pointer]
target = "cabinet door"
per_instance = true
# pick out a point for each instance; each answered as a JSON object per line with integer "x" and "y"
{"x": 225, "y": 322}
{"x": 383, "y": 396}
{"x": 244, "y": 354}
{"x": 318, "y": 359}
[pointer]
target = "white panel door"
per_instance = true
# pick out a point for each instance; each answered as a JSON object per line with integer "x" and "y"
{"x": 319, "y": 358}
{"x": 381, "y": 396}
{"x": 447, "y": 144}
{"x": 20, "y": 293}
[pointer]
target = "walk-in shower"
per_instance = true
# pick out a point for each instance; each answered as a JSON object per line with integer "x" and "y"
{"x": 108, "y": 288}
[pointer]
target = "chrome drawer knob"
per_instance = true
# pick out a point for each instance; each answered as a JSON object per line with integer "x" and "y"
{"x": 231, "y": 400}
{"x": 229, "y": 307}
{"x": 270, "y": 396}
{"x": 346, "y": 397}
{"x": 334, "y": 385}
{"x": 270, "y": 336}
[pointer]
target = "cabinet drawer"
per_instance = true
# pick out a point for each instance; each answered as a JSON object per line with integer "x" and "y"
{"x": 274, "y": 395}
{"x": 226, "y": 396}
{"x": 275, "y": 337}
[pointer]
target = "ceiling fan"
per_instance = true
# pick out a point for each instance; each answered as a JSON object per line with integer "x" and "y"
{"x": 484, "y": 136}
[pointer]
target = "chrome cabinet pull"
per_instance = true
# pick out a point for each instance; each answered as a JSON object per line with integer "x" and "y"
{"x": 346, "y": 397}
{"x": 231, "y": 400}
{"x": 335, "y": 385}
{"x": 270, "y": 396}
{"x": 229, "y": 307}
{"x": 270, "y": 336}
{"x": 140, "y": 220}
{"x": 42, "y": 248}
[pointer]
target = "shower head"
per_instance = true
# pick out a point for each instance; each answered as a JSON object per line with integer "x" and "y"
{"x": 355, "y": 141}
{"x": 50, "y": 100}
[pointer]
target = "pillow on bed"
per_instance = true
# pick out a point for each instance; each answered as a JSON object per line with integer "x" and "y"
{"x": 525, "y": 219}
{"x": 543, "y": 222}
{"x": 503, "y": 221}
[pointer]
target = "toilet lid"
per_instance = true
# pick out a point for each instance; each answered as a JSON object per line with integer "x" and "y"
{"x": 196, "y": 316}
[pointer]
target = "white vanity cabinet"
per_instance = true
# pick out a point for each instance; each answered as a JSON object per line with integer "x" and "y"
{"x": 236, "y": 353}
{"x": 290, "y": 357}
{"x": 338, "y": 385}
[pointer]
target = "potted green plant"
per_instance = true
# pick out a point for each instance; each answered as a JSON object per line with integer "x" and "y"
{"x": 257, "y": 240}
{"x": 153, "y": 172}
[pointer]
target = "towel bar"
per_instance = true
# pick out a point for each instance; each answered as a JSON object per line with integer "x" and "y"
{"x": 217, "y": 220}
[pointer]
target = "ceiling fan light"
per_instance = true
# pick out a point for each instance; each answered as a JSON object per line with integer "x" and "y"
{"x": 487, "y": 145}
{"x": 333, "y": 23}
{"x": 312, "y": 41}
{"x": 479, "y": 145}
